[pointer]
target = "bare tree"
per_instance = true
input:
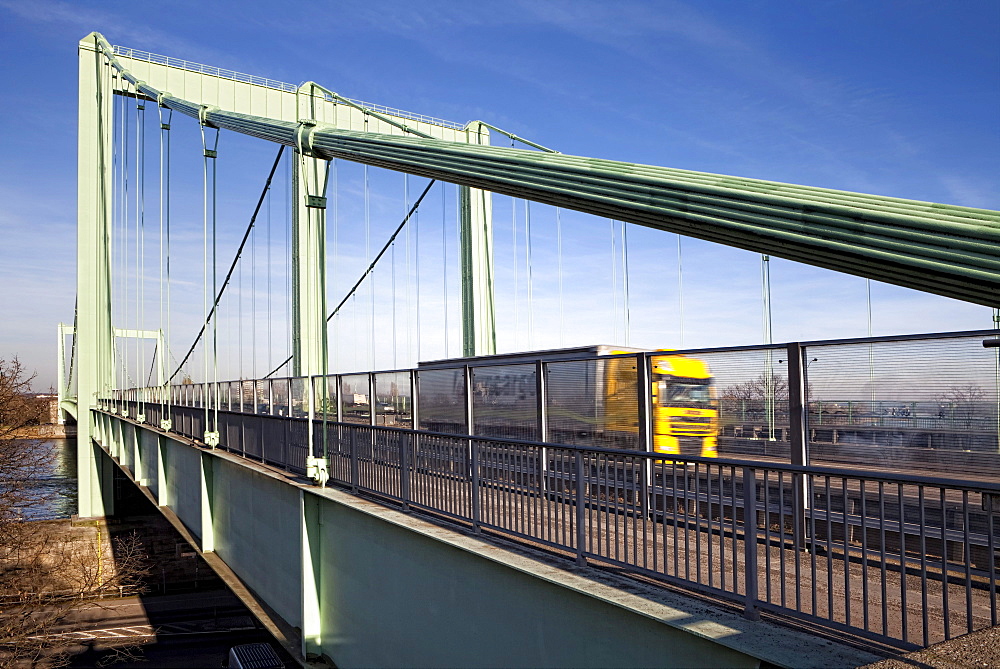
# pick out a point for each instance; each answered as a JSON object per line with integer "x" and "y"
{"x": 969, "y": 392}
{"x": 963, "y": 405}
{"x": 45, "y": 571}
{"x": 757, "y": 389}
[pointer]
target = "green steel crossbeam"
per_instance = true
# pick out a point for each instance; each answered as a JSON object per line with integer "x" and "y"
{"x": 942, "y": 249}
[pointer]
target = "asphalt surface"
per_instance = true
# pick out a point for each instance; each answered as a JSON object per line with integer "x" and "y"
{"x": 194, "y": 629}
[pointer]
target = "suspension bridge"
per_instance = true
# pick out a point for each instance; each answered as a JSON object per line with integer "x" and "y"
{"x": 285, "y": 388}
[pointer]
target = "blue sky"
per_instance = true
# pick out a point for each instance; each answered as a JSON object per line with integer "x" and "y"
{"x": 892, "y": 98}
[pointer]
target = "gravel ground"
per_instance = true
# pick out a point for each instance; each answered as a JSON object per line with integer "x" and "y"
{"x": 977, "y": 650}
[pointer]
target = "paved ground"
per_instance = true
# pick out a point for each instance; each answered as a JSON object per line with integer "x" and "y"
{"x": 194, "y": 629}
{"x": 187, "y": 618}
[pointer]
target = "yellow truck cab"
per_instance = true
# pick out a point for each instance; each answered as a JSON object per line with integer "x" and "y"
{"x": 685, "y": 410}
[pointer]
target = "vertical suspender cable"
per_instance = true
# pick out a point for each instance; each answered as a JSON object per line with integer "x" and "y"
{"x": 115, "y": 219}
{"x": 204, "y": 222}
{"x": 614, "y": 284}
{"x": 458, "y": 226}
{"x": 527, "y": 265}
{"x": 406, "y": 254}
{"x": 161, "y": 352}
{"x": 765, "y": 277}
{"x": 392, "y": 285}
{"x": 368, "y": 259}
{"x": 444, "y": 262}
{"x": 140, "y": 212}
{"x": 513, "y": 229}
{"x": 871, "y": 351}
{"x": 416, "y": 251}
{"x": 513, "y": 232}
{"x": 253, "y": 304}
{"x": 209, "y": 212}
{"x": 288, "y": 259}
{"x": 559, "y": 270}
{"x": 119, "y": 240}
{"x": 126, "y": 166}
{"x": 680, "y": 291}
{"x": 267, "y": 259}
{"x": 996, "y": 386}
{"x": 239, "y": 324}
{"x": 136, "y": 339}
{"x": 625, "y": 286}
{"x": 215, "y": 291}
{"x": 166, "y": 338}
{"x": 336, "y": 265}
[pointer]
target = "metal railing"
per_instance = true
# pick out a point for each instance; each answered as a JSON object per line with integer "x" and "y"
{"x": 190, "y": 66}
{"x": 917, "y": 405}
{"x": 904, "y": 560}
{"x": 525, "y": 446}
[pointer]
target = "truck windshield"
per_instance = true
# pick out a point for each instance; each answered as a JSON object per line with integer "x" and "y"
{"x": 687, "y": 392}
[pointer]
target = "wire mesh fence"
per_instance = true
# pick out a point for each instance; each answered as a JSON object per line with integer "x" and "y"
{"x": 677, "y": 465}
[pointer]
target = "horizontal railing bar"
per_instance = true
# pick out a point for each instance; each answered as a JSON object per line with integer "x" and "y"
{"x": 910, "y": 337}
{"x": 819, "y": 470}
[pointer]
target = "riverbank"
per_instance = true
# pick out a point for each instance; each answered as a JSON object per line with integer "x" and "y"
{"x": 45, "y": 431}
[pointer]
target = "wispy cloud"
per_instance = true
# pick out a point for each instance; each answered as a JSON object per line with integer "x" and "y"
{"x": 118, "y": 27}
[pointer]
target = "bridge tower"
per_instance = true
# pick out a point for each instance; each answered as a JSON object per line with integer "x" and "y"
{"x": 310, "y": 106}
{"x": 94, "y": 333}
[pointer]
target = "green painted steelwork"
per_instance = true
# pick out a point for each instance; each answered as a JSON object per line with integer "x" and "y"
{"x": 943, "y": 249}
{"x": 367, "y": 585}
{"x": 95, "y": 338}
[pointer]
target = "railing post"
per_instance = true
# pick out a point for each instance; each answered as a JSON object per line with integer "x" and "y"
{"x": 473, "y": 453}
{"x": 372, "y": 403}
{"x": 404, "y": 442}
{"x": 750, "y": 544}
{"x": 414, "y": 400}
{"x": 541, "y": 394}
{"x": 797, "y": 403}
{"x": 352, "y": 441}
{"x": 798, "y": 436}
{"x": 644, "y": 388}
{"x": 581, "y": 508}
{"x": 414, "y": 411}
{"x": 340, "y": 415}
{"x": 477, "y": 512}
{"x": 310, "y": 391}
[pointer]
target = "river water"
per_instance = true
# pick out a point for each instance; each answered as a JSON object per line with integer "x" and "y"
{"x": 55, "y": 489}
